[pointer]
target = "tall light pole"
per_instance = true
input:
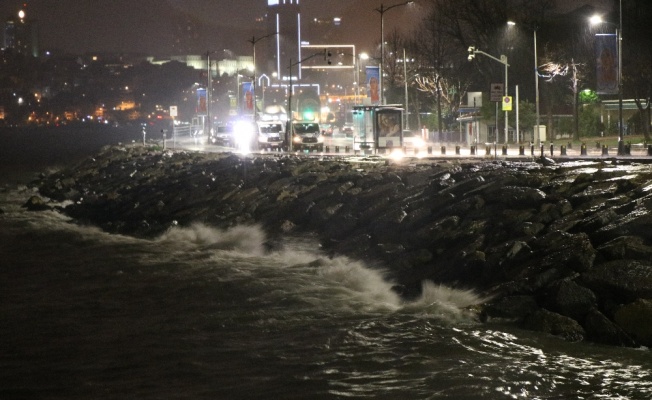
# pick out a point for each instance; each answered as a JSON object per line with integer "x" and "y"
{"x": 537, "y": 137}
{"x": 536, "y": 89}
{"x": 361, "y": 56}
{"x": 253, "y": 42}
{"x": 407, "y": 114}
{"x": 209, "y": 89}
{"x": 382, "y": 10}
{"x": 503, "y": 60}
{"x": 619, "y": 38}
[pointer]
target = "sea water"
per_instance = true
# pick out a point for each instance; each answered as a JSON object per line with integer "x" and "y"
{"x": 203, "y": 313}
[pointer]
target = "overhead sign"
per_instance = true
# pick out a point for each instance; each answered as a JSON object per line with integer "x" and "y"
{"x": 497, "y": 91}
{"x": 507, "y": 103}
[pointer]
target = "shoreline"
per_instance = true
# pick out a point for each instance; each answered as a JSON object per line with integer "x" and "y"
{"x": 562, "y": 247}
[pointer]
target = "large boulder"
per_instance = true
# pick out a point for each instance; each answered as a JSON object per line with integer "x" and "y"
{"x": 570, "y": 299}
{"x": 620, "y": 281}
{"x": 636, "y": 319}
{"x": 546, "y": 321}
{"x": 601, "y": 329}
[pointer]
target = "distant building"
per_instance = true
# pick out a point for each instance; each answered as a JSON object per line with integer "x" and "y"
{"x": 21, "y": 35}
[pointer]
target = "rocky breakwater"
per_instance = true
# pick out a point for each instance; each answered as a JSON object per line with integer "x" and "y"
{"x": 560, "y": 248}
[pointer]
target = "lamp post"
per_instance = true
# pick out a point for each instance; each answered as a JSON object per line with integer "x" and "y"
{"x": 537, "y": 137}
{"x": 361, "y": 56}
{"x": 382, "y": 10}
{"x": 619, "y": 39}
{"x": 209, "y": 89}
{"x": 407, "y": 114}
{"x": 503, "y": 60}
{"x": 536, "y": 89}
{"x": 253, "y": 42}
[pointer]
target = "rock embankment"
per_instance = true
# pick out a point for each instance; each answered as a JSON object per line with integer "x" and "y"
{"x": 564, "y": 249}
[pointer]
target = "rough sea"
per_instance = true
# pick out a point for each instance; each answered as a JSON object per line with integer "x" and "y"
{"x": 201, "y": 313}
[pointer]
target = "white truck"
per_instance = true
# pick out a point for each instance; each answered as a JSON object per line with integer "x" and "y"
{"x": 270, "y": 134}
{"x": 306, "y": 135}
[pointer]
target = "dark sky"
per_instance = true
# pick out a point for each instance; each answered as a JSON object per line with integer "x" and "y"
{"x": 156, "y": 26}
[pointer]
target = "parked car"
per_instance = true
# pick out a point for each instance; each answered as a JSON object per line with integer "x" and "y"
{"x": 413, "y": 140}
{"x": 327, "y": 129}
{"x": 347, "y": 129}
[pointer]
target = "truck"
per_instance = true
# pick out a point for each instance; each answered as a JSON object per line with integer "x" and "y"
{"x": 270, "y": 134}
{"x": 306, "y": 135}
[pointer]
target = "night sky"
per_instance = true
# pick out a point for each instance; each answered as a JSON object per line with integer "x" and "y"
{"x": 155, "y": 26}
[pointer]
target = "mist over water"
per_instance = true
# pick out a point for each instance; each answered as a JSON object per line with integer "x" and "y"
{"x": 203, "y": 313}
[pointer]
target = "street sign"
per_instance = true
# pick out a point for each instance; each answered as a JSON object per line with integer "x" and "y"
{"x": 173, "y": 111}
{"x": 507, "y": 103}
{"x": 497, "y": 91}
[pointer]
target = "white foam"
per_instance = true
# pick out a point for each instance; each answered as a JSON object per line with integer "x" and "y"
{"x": 248, "y": 240}
{"x": 339, "y": 278}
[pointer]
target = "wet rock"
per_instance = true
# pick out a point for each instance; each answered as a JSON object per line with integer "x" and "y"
{"x": 626, "y": 247}
{"x": 511, "y": 307}
{"x": 570, "y": 299}
{"x": 36, "y": 203}
{"x": 555, "y": 324}
{"x": 601, "y": 329}
{"x": 621, "y": 281}
{"x": 636, "y": 319}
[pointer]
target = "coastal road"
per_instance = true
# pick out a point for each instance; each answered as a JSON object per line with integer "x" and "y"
{"x": 339, "y": 144}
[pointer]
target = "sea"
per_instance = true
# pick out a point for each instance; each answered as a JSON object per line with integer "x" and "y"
{"x": 204, "y": 313}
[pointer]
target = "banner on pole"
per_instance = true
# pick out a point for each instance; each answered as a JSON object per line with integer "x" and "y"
{"x": 606, "y": 53}
{"x": 201, "y": 101}
{"x": 248, "y": 98}
{"x": 373, "y": 84}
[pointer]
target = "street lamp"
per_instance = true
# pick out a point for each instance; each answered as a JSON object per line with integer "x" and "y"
{"x": 619, "y": 38}
{"x": 382, "y": 10}
{"x": 503, "y": 60}
{"x": 536, "y": 86}
{"x": 253, "y": 42}
{"x": 209, "y": 89}
{"x": 361, "y": 56}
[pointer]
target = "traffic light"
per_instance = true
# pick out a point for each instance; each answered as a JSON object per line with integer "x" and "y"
{"x": 471, "y": 53}
{"x": 327, "y": 56}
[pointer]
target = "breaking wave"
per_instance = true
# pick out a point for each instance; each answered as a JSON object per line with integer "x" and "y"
{"x": 338, "y": 277}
